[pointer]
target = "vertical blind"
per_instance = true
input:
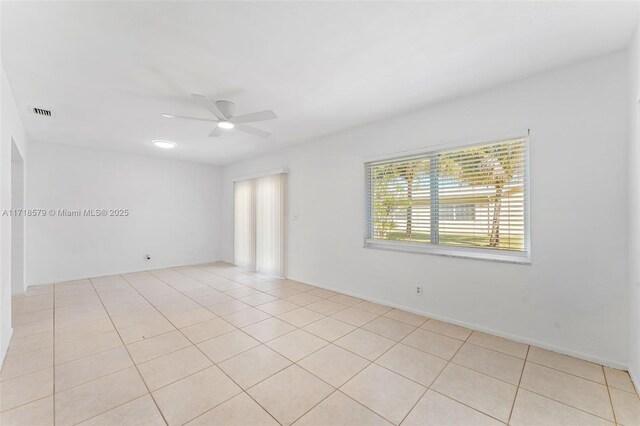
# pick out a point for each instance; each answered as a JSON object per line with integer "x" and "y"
{"x": 244, "y": 224}
{"x": 259, "y": 224}
{"x": 270, "y": 203}
{"x": 466, "y": 197}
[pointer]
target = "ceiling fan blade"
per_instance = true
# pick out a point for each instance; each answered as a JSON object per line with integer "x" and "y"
{"x": 189, "y": 118}
{"x": 253, "y": 130}
{"x": 215, "y": 132}
{"x": 211, "y": 106}
{"x": 254, "y": 116}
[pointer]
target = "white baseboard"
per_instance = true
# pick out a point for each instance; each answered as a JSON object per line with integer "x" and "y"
{"x": 4, "y": 350}
{"x": 635, "y": 378}
{"x": 517, "y": 338}
{"x": 576, "y": 354}
{"x": 150, "y": 268}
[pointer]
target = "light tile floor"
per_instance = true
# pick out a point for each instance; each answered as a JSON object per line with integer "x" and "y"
{"x": 215, "y": 345}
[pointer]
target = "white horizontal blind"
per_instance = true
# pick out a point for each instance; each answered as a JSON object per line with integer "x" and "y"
{"x": 467, "y": 197}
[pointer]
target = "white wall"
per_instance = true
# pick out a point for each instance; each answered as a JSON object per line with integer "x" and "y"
{"x": 174, "y": 213}
{"x": 572, "y": 298}
{"x": 17, "y": 222}
{"x": 5, "y": 288}
{"x": 634, "y": 208}
{"x": 10, "y": 129}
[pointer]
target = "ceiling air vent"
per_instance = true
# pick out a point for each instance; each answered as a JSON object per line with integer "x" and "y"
{"x": 42, "y": 112}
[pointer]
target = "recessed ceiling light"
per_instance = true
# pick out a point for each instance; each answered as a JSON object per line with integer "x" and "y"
{"x": 164, "y": 144}
{"x": 225, "y": 125}
{"x": 167, "y": 115}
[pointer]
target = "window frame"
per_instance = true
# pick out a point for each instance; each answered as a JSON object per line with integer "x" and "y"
{"x": 519, "y": 257}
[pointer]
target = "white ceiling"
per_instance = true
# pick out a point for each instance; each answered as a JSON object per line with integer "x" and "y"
{"x": 109, "y": 69}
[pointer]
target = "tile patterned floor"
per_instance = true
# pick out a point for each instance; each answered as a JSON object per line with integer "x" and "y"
{"x": 213, "y": 345}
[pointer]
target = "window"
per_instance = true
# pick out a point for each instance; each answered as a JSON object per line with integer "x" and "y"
{"x": 469, "y": 201}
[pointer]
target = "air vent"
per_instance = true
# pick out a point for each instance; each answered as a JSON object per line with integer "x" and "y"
{"x": 42, "y": 112}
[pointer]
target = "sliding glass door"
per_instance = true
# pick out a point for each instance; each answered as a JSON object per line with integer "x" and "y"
{"x": 259, "y": 224}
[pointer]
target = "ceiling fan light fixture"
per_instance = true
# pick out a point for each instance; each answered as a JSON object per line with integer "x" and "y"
{"x": 227, "y": 125}
{"x": 225, "y": 119}
{"x": 164, "y": 144}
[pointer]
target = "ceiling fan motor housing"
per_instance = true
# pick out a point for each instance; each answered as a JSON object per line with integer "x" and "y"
{"x": 227, "y": 108}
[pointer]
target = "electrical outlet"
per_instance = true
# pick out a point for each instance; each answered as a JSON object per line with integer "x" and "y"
{"x": 419, "y": 290}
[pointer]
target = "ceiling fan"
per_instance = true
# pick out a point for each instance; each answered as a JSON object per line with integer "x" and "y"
{"x": 225, "y": 120}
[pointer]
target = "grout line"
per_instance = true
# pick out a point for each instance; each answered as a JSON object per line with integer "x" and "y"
{"x": 37, "y": 370}
{"x": 264, "y": 343}
{"x": 53, "y": 338}
{"x": 530, "y": 361}
{"x": 513, "y": 405}
{"x": 448, "y": 362}
{"x": 307, "y": 290}
{"x": 93, "y": 353}
{"x": 97, "y": 378}
{"x": 120, "y": 405}
{"x": 242, "y": 391}
{"x": 370, "y": 362}
{"x": 132, "y": 360}
{"x": 9, "y": 355}
{"x": 467, "y": 405}
{"x": 335, "y": 389}
{"x": 571, "y": 374}
{"x": 2, "y": 412}
{"x": 485, "y": 374}
{"x": 288, "y": 366}
{"x": 428, "y": 387}
{"x": 13, "y": 315}
{"x": 613, "y": 411}
{"x": 200, "y": 350}
{"x": 567, "y": 405}
{"x": 73, "y": 339}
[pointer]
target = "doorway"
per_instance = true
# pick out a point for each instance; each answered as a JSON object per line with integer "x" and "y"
{"x": 17, "y": 221}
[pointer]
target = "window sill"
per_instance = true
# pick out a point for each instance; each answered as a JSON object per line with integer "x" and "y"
{"x": 468, "y": 253}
